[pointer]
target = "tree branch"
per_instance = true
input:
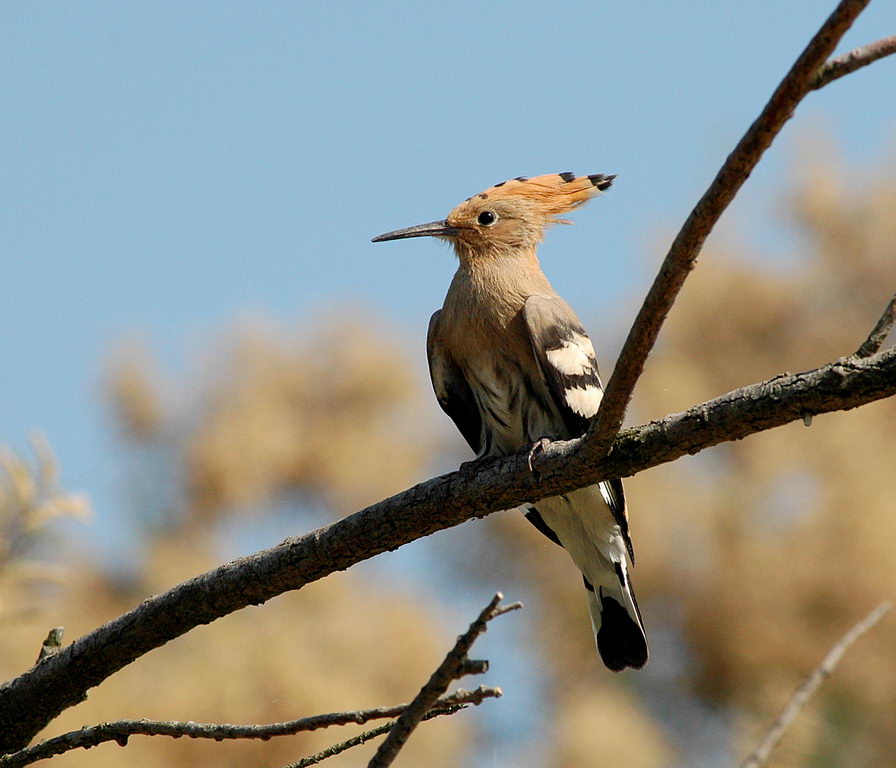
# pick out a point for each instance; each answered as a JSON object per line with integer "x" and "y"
{"x": 52, "y": 644}
{"x": 856, "y": 59}
{"x": 760, "y": 755}
{"x": 342, "y": 746}
{"x": 121, "y": 730}
{"x": 34, "y": 698}
{"x": 879, "y": 334}
{"x": 455, "y": 666}
{"x": 686, "y": 247}
{"x": 366, "y": 736}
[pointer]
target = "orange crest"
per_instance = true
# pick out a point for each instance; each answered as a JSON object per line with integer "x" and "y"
{"x": 551, "y": 194}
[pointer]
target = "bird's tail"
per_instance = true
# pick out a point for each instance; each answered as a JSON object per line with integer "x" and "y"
{"x": 618, "y": 629}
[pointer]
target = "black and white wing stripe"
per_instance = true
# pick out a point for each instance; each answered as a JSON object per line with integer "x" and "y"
{"x": 614, "y": 495}
{"x": 452, "y": 389}
{"x": 566, "y": 358}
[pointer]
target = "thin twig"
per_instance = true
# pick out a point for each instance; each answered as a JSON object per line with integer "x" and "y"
{"x": 120, "y": 731}
{"x": 760, "y": 755}
{"x": 686, "y": 247}
{"x": 877, "y": 336}
{"x": 856, "y": 59}
{"x": 453, "y": 667}
{"x": 361, "y": 738}
{"x": 52, "y": 645}
{"x": 341, "y": 747}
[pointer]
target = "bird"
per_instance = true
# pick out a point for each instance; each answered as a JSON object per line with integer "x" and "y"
{"x": 512, "y": 365}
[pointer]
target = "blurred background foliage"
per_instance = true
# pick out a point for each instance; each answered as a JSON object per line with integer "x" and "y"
{"x": 753, "y": 557}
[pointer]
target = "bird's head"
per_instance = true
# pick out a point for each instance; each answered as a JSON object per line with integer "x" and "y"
{"x": 510, "y": 216}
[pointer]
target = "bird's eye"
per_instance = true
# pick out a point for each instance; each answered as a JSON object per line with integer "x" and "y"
{"x": 487, "y": 218}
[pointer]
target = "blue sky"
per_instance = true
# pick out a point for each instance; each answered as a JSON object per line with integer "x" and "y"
{"x": 168, "y": 167}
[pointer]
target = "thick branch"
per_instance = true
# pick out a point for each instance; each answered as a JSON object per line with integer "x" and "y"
{"x": 30, "y": 701}
{"x": 120, "y": 731}
{"x": 856, "y": 59}
{"x": 686, "y": 247}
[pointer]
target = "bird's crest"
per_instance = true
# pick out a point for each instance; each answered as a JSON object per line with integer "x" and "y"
{"x": 511, "y": 215}
{"x": 551, "y": 194}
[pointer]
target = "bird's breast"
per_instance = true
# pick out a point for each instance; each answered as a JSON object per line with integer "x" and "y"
{"x": 485, "y": 332}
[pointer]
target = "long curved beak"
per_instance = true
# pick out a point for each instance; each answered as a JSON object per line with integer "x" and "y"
{"x": 432, "y": 229}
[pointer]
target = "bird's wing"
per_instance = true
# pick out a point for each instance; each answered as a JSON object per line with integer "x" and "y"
{"x": 568, "y": 366}
{"x": 451, "y": 388}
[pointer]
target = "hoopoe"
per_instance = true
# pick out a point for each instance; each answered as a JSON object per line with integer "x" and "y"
{"x": 510, "y": 364}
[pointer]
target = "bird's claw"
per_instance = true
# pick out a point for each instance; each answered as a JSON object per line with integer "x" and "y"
{"x": 537, "y": 447}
